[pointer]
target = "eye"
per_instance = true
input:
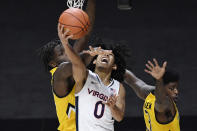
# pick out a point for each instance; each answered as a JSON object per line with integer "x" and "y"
{"x": 61, "y": 53}
{"x": 111, "y": 54}
{"x": 171, "y": 89}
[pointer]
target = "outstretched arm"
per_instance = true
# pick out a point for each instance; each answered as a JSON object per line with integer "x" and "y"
{"x": 78, "y": 67}
{"x": 162, "y": 102}
{"x": 81, "y": 43}
{"x": 140, "y": 87}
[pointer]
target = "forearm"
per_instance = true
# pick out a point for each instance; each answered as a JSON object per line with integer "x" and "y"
{"x": 140, "y": 87}
{"x": 162, "y": 100}
{"x": 160, "y": 92}
{"x": 72, "y": 55}
{"x": 81, "y": 43}
{"x": 91, "y": 8}
{"x": 117, "y": 113}
{"x": 78, "y": 67}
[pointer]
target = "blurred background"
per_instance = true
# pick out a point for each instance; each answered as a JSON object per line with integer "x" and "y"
{"x": 162, "y": 29}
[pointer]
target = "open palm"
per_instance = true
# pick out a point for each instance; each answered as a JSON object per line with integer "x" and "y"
{"x": 155, "y": 70}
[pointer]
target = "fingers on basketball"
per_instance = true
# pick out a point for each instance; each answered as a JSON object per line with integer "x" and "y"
{"x": 76, "y": 20}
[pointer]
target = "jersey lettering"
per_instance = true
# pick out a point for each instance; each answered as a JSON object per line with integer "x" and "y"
{"x": 149, "y": 121}
{"x": 147, "y": 105}
{"x": 96, "y": 109}
{"x": 97, "y": 94}
{"x": 70, "y": 108}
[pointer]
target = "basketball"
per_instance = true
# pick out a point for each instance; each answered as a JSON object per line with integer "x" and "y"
{"x": 76, "y": 20}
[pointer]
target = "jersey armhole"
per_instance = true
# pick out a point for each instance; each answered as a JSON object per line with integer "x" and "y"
{"x": 60, "y": 96}
{"x": 86, "y": 82}
{"x": 153, "y": 92}
{"x": 52, "y": 81}
{"x": 164, "y": 123}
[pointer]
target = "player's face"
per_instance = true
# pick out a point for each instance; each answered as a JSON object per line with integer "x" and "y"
{"x": 172, "y": 90}
{"x": 59, "y": 55}
{"x": 105, "y": 61}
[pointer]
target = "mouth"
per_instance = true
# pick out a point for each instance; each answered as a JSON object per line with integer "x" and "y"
{"x": 104, "y": 60}
{"x": 175, "y": 99}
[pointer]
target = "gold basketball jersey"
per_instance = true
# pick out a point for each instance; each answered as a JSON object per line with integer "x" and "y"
{"x": 149, "y": 116}
{"x": 65, "y": 108}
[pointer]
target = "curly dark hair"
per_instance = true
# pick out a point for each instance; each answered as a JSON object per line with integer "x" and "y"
{"x": 46, "y": 53}
{"x": 120, "y": 52}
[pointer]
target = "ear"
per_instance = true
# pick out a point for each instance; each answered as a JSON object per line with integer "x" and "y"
{"x": 52, "y": 64}
{"x": 114, "y": 67}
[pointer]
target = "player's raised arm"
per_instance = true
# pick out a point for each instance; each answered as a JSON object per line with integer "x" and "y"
{"x": 62, "y": 76}
{"x": 78, "y": 67}
{"x": 163, "y": 101}
{"x": 140, "y": 87}
{"x": 81, "y": 43}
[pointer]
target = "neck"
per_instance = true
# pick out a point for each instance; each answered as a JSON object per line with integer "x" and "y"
{"x": 105, "y": 75}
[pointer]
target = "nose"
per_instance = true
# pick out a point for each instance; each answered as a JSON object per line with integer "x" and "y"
{"x": 176, "y": 91}
{"x": 106, "y": 55}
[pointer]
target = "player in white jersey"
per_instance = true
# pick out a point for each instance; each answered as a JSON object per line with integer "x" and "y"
{"x": 99, "y": 97}
{"x": 93, "y": 114}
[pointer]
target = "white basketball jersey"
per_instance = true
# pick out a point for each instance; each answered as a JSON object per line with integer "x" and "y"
{"x": 91, "y": 113}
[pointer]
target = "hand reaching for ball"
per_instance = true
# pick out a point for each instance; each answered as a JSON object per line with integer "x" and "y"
{"x": 63, "y": 34}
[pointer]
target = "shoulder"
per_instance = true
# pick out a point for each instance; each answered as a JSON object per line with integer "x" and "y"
{"x": 91, "y": 73}
{"x": 63, "y": 66}
{"x": 64, "y": 69}
{"x": 93, "y": 76}
{"x": 150, "y": 96}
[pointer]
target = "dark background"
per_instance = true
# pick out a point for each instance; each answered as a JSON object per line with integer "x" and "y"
{"x": 162, "y": 29}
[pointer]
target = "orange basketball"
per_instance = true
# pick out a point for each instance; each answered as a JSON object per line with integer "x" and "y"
{"x": 76, "y": 20}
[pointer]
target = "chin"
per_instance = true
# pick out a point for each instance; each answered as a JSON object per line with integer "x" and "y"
{"x": 103, "y": 66}
{"x": 175, "y": 100}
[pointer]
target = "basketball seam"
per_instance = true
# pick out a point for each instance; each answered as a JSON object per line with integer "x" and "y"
{"x": 75, "y": 18}
{"x": 74, "y": 26}
{"x": 71, "y": 25}
{"x": 84, "y": 19}
{"x": 78, "y": 32}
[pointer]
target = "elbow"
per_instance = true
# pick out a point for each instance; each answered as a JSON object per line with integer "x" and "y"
{"x": 120, "y": 118}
